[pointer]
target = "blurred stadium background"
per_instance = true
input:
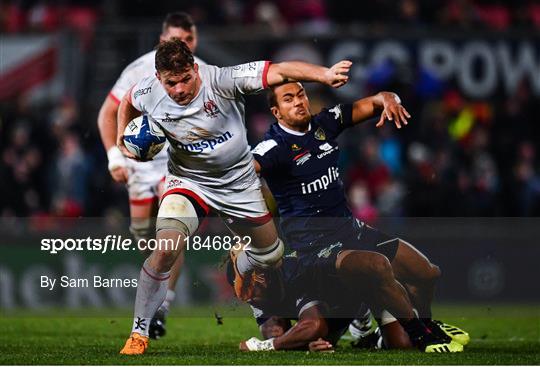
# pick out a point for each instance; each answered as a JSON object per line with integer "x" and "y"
{"x": 468, "y": 71}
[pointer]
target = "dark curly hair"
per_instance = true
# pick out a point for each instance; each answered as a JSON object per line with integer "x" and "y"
{"x": 173, "y": 56}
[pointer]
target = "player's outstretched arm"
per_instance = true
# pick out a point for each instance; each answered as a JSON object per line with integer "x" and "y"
{"x": 387, "y": 103}
{"x": 291, "y": 71}
{"x": 107, "y": 131}
{"x": 126, "y": 113}
{"x": 310, "y": 327}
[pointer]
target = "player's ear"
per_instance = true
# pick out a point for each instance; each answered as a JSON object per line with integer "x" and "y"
{"x": 196, "y": 67}
{"x": 275, "y": 112}
{"x": 164, "y": 36}
{"x": 158, "y": 76}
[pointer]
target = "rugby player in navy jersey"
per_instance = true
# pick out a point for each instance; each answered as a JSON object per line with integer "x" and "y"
{"x": 287, "y": 294}
{"x": 298, "y": 159}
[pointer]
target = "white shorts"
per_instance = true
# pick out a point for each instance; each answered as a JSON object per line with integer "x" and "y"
{"x": 145, "y": 178}
{"x": 247, "y": 205}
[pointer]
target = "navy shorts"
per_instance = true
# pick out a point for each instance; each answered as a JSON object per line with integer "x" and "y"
{"x": 318, "y": 265}
{"x": 356, "y": 236}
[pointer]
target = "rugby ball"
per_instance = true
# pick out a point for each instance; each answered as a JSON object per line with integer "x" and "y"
{"x": 143, "y": 138}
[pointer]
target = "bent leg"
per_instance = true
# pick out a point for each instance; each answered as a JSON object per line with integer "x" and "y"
{"x": 177, "y": 219}
{"x": 415, "y": 270}
{"x": 264, "y": 249}
{"x": 362, "y": 270}
{"x": 394, "y": 336}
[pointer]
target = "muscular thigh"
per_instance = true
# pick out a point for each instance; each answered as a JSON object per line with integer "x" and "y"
{"x": 359, "y": 265}
{"x": 410, "y": 264}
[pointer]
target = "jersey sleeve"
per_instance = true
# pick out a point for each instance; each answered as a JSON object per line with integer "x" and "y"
{"x": 122, "y": 86}
{"x": 199, "y": 61}
{"x": 336, "y": 119}
{"x": 269, "y": 155}
{"x": 141, "y": 94}
{"x": 305, "y": 302}
{"x": 249, "y": 78}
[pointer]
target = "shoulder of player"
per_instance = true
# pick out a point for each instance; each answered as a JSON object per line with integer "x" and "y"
{"x": 330, "y": 115}
{"x": 207, "y": 70}
{"x": 148, "y": 90}
{"x": 209, "y": 74}
{"x": 212, "y": 77}
{"x": 276, "y": 133}
{"x": 144, "y": 62}
{"x": 142, "y": 66}
{"x": 327, "y": 111}
{"x": 265, "y": 146}
{"x": 199, "y": 61}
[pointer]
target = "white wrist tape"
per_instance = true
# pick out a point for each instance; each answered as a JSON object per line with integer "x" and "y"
{"x": 387, "y": 318}
{"x": 256, "y": 345}
{"x": 116, "y": 158}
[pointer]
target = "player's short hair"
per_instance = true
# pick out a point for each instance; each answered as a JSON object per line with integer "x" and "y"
{"x": 271, "y": 97}
{"x": 173, "y": 56}
{"x": 178, "y": 20}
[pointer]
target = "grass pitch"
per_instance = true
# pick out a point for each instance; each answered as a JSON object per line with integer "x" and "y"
{"x": 500, "y": 335}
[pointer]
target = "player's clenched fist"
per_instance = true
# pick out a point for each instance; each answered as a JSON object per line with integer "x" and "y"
{"x": 117, "y": 165}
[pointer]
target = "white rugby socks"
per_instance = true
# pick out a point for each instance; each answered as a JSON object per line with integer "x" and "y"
{"x": 151, "y": 291}
{"x": 169, "y": 298}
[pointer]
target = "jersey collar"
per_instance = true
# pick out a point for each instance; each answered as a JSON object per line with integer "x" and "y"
{"x": 293, "y": 132}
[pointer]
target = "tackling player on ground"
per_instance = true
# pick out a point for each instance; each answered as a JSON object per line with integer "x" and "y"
{"x": 200, "y": 108}
{"x": 144, "y": 180}
{"x": 298, "y": 159}
{"x": 288, "y": 294}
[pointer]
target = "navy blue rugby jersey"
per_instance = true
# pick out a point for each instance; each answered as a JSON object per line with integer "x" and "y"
{"x": 289, "y": 293}
{"x": 302, "y": 172}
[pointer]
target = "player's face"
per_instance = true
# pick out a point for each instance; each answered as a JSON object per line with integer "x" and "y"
{"x": 292, "y": 105}
{"x": 188, "y": 37}
{"x": 182, "y": 87}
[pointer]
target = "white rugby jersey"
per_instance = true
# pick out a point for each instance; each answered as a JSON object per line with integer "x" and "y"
{"x": 142, "y": 67}
{"x": 208, "y": 142}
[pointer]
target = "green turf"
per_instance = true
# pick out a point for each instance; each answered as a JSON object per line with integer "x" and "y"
{"x": 500, "y": 335}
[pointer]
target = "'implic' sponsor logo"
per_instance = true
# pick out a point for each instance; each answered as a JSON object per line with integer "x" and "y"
{"x": 322, "y": 182}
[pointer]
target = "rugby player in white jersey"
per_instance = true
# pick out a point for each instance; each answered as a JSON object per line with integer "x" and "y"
{"x": 200, "y": 108}
{"x": 144, "y": 179}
